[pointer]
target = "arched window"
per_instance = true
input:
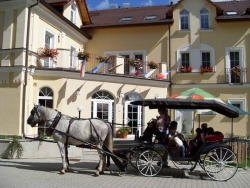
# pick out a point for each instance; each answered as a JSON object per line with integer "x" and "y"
{"x": 204, "y": 18}
{"x": 102, "y": 106}
{"x": 45, "y": 98}
{"x": 184, "y": 19}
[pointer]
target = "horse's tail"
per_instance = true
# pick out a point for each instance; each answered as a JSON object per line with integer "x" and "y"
{"x": 108, "y": 142}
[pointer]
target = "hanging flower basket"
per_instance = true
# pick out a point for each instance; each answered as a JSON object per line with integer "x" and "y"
{"x": 43, "y": 53}
{"x": 184, "y": 69}
{"x": 102, "y": 58}
{"x": 135, "y": 62}
{"x": 83, "y": 55}
{"x": 153, "y": 65}
{"x": 206, "y": 69}
{"x": 236, "y": 71}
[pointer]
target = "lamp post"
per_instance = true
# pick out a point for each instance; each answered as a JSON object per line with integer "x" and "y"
{"x": 79, "y": 109}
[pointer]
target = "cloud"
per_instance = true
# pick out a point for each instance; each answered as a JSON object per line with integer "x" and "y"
{"x": 103, "y": 5}
{"x": 148, "y": 3}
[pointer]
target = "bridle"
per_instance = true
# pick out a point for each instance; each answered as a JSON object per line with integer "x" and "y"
{"x": 34, "y": 111}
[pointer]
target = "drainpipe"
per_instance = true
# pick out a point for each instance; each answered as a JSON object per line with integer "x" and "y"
{"x": 169, "y": 63}
{"x": 26, "y": 65}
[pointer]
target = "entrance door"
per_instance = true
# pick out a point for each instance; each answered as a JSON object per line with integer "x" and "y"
{"x": 133, "y": 117}
{"x": 102, "y": 109}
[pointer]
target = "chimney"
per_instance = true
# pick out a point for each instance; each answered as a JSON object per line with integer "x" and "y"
{"x": 126, "y": 5}
{"x": 113, "y": 6}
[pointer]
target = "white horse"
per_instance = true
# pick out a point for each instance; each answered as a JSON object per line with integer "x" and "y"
{"x": 74, "y": 131}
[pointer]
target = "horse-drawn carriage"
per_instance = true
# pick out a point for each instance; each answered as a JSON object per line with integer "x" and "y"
{"x": 216, "y": 158}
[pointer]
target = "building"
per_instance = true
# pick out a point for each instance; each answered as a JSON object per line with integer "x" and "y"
{"x": 186, "y": 34}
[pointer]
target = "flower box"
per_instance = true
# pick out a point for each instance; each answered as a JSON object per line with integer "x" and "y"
{"x": 236, "y": 72}
{"x": 102, "y": 58}
{"x": 135, "y": 62}
{"x": 153, "y": 65}
{"x": 184, "y": 69}
{"x": 203, "y": 70}
{"x": 83, "y": 55}
{"x": 43, "y": 53}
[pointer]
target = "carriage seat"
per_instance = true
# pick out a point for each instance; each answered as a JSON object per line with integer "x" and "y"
{"x": 216, "y": 136}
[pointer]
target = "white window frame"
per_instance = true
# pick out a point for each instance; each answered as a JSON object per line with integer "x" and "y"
{"x": 73, "y": 20}
{"x": 131, "y": 53}
{"x": 184, "y": 16}
{"x": 205, "y": 14}
{"x": 52, "y": 44}
{"x": 195, "y": 58}
{"x": 72, "y": 59}
{"x": 103, "y": 101}
{"x": 240, "y": 101}
{"x": 239, "y": 49}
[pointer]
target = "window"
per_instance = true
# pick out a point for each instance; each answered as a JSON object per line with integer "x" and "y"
{"x": 139, "y": 56}
{"x": 126, "y": 19}
{"x": 234, "y": 61}
{"x": 72, "y": 56}
{"x": 150, "y": 17}
{"x": 184, "y": 19}
{"x": 48, "y": 43}
{"x": 73, "y": 12}
{"x": 204, "y": 18}
{"x": 185, "y": 59}
{"x": 45, "y": 98}
{"x": 240, "y": 103}
{"x": 126, "y": 65}
{"x": 229, "y": 13}
{"x": 206, "y": 59}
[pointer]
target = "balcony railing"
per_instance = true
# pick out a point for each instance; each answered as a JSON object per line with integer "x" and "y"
{"x": 65, "y": 60}
{"x": 235, "y": 79}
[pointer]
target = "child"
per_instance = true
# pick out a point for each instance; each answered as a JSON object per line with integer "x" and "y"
{"x": 171, "y": 139}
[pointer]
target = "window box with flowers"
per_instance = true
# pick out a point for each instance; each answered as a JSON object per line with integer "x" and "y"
{"x": 102, "y": 58}
{"x": 83, "y": 55}
{"x": 236, "y": 72}
{"x": 184, "y": 69}
{"x": 203, "y": 70}
{"x": 135, "y": 62}
{"x": 43, "y": 53}
{"x": 153, "y": 65}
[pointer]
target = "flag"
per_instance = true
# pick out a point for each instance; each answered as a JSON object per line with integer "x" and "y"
{"x": 163, "y": 74}
{"x": 97, "y": 67}
{"x": 146, "y": 75}
{"x": 82, "y": 71}
{"x": 113, "y": 68}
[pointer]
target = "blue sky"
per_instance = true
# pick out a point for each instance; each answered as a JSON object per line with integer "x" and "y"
{"x": 104, "y": 4}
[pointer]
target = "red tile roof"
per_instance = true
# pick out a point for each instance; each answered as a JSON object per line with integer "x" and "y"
{"x": 112, "y": 17}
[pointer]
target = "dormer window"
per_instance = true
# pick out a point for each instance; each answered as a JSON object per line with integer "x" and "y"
{"x": 184, "y": 19}
{"x": 229, "y": 13}
{"x": 150, "y": 17}
{"x": 204, "y": 18}
{"x": 126, "y": 19}
{"x": 73, "y": 12}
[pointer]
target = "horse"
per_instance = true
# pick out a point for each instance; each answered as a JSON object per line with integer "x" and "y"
{"x": 75, "y": 131}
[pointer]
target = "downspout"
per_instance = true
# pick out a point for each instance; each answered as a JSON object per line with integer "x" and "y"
{"x": 26, "y": 65}
{"x": 169, "y": 64}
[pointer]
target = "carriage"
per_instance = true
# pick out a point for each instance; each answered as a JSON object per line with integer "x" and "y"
{"x": 216, "y": 158}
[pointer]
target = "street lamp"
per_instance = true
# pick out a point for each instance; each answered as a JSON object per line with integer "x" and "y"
{"x": 79, "y": 109}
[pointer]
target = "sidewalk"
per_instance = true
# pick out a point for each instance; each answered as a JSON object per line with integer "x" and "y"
{"x": 27, "y": 173}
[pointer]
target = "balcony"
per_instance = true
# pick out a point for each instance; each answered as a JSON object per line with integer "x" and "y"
{"x": 114, "y": 66}
{"x": 235, "y": 79}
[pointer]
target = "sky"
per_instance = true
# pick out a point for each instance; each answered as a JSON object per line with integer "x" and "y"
{"x": 105, "y": 4}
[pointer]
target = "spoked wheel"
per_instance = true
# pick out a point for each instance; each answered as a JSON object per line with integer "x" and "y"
{"x": 220, "y": 164}
{"x": 149, "y": 163}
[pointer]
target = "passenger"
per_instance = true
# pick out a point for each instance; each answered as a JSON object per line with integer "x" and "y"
{"x": 183, "y": 140}
{"x": 213, "y": 135}
{"x": 196, "y": 143}
{"x": 171, "y": 139}
{"x": 204, "y": 129}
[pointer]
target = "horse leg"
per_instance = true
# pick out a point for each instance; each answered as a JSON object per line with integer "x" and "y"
{"x": 63, "y": 156}
{"x": 101, "y": 156}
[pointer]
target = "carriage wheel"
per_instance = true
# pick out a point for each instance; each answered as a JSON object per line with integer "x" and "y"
{"x": 149, "y": 163}
{"x": 220, "y": 164}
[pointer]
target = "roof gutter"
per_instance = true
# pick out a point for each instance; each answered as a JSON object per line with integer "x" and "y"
{"x": 26, "y": 66}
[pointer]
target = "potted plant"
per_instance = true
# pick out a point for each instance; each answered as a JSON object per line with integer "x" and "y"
{"x": 153, "y": 65}
{"x": 83, "y": 55}
{"x": 206, "y": 69}
{"x": 236, "y": 71}
{"x": 135, "y": 62}
{"x": 15, "y": 147}
{"x": 184, "y": 69}
{"x": 102, "y": 58}
{"x": 47, "y": 52}
{"x": 123, "y": 132}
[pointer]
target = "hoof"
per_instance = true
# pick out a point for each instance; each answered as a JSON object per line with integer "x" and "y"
{"x": 62, "y": 171}
{"x": 96, "y": 174}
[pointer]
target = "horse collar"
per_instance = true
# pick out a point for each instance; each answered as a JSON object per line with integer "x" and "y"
{"x": 54, "y": 124}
